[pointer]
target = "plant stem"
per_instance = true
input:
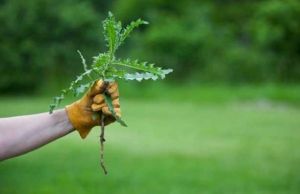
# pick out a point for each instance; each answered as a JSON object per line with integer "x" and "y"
{"x": 102, "y": 140}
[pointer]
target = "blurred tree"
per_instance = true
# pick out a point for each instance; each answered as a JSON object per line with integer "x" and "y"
{"x": 219, "y": 40}
{"x": 39, "y": 39}
{"x": 214, "y": 41}
{"x": 276, "y": 32}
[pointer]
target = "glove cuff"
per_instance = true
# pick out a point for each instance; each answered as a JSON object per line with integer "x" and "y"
{"x": 76, "y": 118}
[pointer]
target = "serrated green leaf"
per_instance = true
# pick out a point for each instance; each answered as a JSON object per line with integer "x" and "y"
{"x": 154, "y": 72}
{"x": 113, "y": 72}
{"x": 108, "y": 101}
{"x": 101, "y": 60}
{"x": 140, "y": 76}
{"x": 85, "y": 67}
{"x": 126, "y": 31}
{"x": 105, "y": 66}
{"x": 81, "y": 89}
{"x": 112, "y": 30}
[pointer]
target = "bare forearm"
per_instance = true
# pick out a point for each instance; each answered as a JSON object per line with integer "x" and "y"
{"x": 22, "y": 134}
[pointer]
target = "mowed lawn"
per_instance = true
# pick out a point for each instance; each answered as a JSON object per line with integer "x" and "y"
{"x": 168, "y": 148}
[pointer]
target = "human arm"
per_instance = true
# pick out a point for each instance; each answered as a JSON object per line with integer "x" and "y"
{"x": 21, "y": 134}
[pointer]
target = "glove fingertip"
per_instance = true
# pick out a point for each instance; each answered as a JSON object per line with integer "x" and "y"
{"x": 83, "y": 133}
{"x": 99, "y": 98}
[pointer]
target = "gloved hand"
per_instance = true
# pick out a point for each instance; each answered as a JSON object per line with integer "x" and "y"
{"x": 86, "y": 113}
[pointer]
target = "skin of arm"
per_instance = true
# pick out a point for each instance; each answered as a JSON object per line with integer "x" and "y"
{"x": 21, "y": 134}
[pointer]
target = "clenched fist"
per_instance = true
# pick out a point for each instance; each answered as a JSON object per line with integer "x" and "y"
{"x": 87, "y": 112}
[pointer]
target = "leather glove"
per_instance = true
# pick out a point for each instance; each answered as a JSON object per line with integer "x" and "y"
{"x": 87, "y": 112}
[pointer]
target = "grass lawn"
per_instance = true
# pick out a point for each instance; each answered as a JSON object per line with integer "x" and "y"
{"x": 169, "y": 148}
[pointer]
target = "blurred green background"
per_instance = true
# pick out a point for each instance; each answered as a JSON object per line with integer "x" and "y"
{"x": 227, "y": 120}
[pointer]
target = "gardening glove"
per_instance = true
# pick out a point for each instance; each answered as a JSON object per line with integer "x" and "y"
{"x": 87, "y": 112}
